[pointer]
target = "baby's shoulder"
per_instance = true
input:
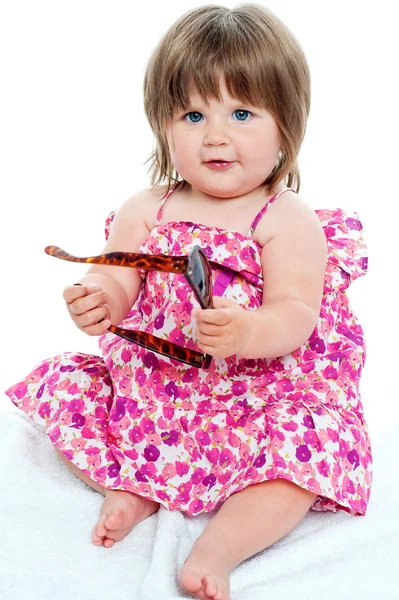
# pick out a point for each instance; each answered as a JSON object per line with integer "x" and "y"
{"x": 145, "y": 204}
{"x": 147, "y": 197}
{"x": 132, "y": 222}
{"x": 289, "y": 211}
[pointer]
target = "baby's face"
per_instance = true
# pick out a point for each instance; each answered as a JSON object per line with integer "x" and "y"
{"x": 245, "y": 136}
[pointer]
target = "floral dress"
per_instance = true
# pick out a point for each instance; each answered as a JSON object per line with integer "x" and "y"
{"x": 189, "y": 437}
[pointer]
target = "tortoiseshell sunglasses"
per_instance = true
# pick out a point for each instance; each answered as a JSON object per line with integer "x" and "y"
{"x": 195, "y": 268}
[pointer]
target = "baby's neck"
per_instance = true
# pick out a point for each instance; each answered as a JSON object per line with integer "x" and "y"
{"x": 233, "y": 214}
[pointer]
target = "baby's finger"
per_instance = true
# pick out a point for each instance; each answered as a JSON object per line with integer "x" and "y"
{"x": 207, "y": 341}
{"x": 92, "y": 317}
{"x": 73, "y": 292}
{"x": 216, "y": 316}
{"x": 210, "y": 329}
{"x": 78, "y": 290}
{"x": 87, "y": 303}
{"x": 221, "y": 302}
{"x": 97, "y": 328}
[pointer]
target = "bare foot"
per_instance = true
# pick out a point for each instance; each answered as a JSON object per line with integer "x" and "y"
{"x": 120, "y": 512}
{"x": 205, "y": 573}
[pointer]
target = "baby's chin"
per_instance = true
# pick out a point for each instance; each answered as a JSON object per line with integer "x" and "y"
{"x": 223, "y": 190}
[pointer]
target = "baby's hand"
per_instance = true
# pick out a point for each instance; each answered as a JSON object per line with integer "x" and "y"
{"x": 88, "y": 308}
{"x": 223, "y": 330}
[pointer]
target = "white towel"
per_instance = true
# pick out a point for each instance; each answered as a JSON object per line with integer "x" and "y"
{"x": 47, "y": 516}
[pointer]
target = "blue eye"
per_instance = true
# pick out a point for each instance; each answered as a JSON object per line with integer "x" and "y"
{"x": 241, "y": 114}
{"x": 196, "y": 119}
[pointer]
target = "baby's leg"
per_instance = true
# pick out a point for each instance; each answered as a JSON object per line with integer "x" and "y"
{"x": 120, "y": 511}
{"x": 248, "y": 522}
{"x": 81, "y": 475}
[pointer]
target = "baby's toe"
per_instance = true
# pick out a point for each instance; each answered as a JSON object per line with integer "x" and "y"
{"x": 99, "y": 531}
{"x": 116, "y": 520}
{"x": 213, "y": 587}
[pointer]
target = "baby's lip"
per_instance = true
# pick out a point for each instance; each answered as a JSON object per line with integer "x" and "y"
{"x": 219, "y": 160}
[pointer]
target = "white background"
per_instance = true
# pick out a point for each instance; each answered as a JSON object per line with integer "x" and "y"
{"x": 74, "y": 139}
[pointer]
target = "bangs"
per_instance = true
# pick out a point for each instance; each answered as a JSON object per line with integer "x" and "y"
{"x": 226, "y": 49}
{"x": 204, "y": 75}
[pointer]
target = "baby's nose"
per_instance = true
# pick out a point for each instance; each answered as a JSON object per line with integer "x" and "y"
{"x": 216, "y": 133}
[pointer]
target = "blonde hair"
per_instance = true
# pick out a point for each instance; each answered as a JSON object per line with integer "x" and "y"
{"x": 262, "y": 64}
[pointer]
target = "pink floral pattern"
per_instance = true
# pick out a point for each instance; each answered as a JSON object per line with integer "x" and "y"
{"x": 189, "y": 438}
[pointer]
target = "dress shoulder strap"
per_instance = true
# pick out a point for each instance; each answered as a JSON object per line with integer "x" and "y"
{"x": 158, "y": 218}
{"x": 264, "y": 209}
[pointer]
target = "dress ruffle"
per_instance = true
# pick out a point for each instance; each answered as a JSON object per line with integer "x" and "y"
{"x": 347, "y": 251}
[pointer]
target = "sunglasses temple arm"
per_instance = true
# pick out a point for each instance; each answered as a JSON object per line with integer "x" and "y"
{"x": 151, "y": 262}
{"x": 146, "y": 340}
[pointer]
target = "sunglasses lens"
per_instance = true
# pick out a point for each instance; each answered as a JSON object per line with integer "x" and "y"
{"x": 199, "y": 275}
{"x": 200, "y": 278}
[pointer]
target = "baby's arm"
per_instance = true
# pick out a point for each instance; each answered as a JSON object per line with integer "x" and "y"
{"x": 108, "y": 292}
{"x": 293, "y": 263}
